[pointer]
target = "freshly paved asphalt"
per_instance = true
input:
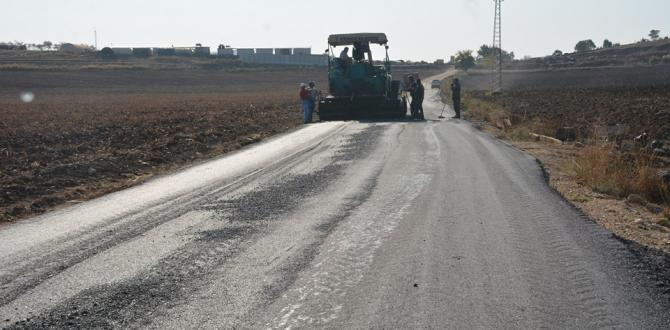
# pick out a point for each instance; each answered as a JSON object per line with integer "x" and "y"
{"x": 405, "y": 225}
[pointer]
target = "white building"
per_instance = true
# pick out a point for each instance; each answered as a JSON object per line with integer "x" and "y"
{"x": 265, "y": 51}
{"x": 72, "y": 48}
{"x": 302, "y": 51}
{"x": 245, "y": 52}
{"x": 123, "y": 51}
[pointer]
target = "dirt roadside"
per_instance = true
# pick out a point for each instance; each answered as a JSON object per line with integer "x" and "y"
{"x": 627, "y": 220}
{"x": 630, "y": 221}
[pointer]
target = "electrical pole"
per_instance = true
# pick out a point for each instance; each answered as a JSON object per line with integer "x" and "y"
{"x": 497, "y": 81}
{"x": 95, "y": 36}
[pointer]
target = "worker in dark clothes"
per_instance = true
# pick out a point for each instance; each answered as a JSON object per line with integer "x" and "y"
{"x": 420, "y": 93}
{"x": 456, "y": 97}
{"x": 412, "y": 88}
{"x": 360, "y": 50}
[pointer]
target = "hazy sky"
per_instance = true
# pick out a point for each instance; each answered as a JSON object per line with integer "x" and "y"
{"x": 427, "y": 29}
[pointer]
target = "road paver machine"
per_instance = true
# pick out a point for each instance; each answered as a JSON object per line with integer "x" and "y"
{"x": 360, "y": 87}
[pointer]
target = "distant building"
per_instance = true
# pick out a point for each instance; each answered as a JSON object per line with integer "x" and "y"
{"x": 226, "y": 52}
{"x": 142, "y": 52}
{"x": 266, "y": 51}
{"x": 183, "y": 51}
{"x": 302, "y": 51}
{"x": 75, "y": 49}
{"x": 201, "y": 50}
{"x": 122, "y": 51}
{"x": 245, "y": 52}
{"x": 284, "y": 51}
{"x": 164, "y": 52}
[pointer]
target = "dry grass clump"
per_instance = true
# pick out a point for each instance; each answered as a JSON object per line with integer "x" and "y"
{"x": 607, "y": 170}
{"x": 519, "y": 133}
{"x": 483, "y": 110}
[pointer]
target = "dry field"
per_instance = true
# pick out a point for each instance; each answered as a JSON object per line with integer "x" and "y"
{"x": 90, "y": 133}
{"x": 637, "y": 97}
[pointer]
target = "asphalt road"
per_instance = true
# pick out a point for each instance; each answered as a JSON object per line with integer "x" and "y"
{"x": 406, "y": 225}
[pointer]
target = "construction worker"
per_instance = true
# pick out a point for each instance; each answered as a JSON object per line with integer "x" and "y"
{"x": 344, "y": 55}
{"x": 420, "y": 93}
{"x": 412, "y": 89}
{"x": 314, "y": 95}
{"x": 360, "y": 49}
{"x": 306, "y": 104}
{"x": 456, "y": 97}
{"x": 345, "y": 60}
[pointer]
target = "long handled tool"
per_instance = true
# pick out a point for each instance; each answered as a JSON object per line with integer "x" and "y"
{"x": 442, "y": 114}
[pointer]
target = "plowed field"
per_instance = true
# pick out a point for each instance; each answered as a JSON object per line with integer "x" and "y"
{"x": 90, "y": 133}
{"x": 637, "y": 98}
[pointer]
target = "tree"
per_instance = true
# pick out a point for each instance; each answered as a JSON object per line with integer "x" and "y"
{"x": 585, "y": 46}
{"x": 607, "y": 44}
{"x": 40, "y": 47}
{"x": 654, "y": 34}
{"x": 464, "y": 60}
{"x": 486, "y": 51}
{"x": 557, "y": 52}
{"x": 48, "y": 44}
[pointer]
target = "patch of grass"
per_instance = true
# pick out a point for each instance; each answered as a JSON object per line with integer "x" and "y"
{"x": 483, "y": 110}
{"x": 606, "y": 170}
{"x": 516, "y": 134}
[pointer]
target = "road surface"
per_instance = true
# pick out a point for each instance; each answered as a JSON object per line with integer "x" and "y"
{"x": 406, "y": 225}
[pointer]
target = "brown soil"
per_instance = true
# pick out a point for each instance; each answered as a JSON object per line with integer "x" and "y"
{"x": 640, "y": 109}
{"x": 610, "y": 77}
{"x": 90, "y": 133}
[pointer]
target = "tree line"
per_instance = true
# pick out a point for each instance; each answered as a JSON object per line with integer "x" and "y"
{"x": 465, "y": 59}
{"x": 589, "y": 45}
{"x": 46, "y": 45}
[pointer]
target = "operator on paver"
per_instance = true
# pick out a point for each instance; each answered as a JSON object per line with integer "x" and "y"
{"x": 344, "y": 57}
{"x": 456, "y": 97}
{"x": 360, "y": 49}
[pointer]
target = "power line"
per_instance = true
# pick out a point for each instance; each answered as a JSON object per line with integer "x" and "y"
{"x": 497, "y": 81}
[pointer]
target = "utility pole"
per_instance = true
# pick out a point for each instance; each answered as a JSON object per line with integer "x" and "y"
{"x": 95, "y": 36}
{"x": 497, "y": 81}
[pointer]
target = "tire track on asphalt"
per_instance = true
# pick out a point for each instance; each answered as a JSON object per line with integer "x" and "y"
{"x": 319, "y": 295}
{"x": 28, "y": 272}
{"x": 557, "y": 270}
{"x": 153, "y": 292}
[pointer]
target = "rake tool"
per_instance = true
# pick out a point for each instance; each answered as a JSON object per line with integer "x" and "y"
{"x": 442, "y": 114}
